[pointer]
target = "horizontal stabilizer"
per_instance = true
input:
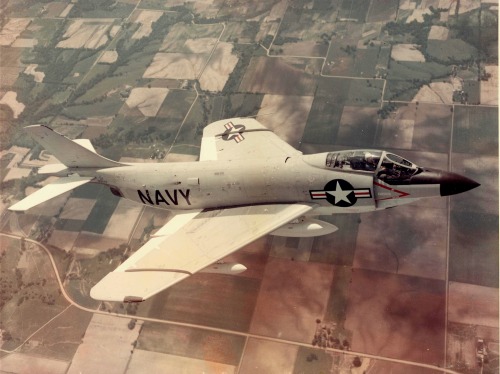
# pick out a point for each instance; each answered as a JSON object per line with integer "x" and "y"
{"x": 54, "y": 169}
{"x": 49, "y": 192}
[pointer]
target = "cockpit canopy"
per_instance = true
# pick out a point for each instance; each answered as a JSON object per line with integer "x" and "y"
{"x": 354, "y": 160}
{"x": 389, "y": 167}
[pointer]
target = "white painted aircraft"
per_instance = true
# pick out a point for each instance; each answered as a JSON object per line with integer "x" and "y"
{"x": 247, "y": 183}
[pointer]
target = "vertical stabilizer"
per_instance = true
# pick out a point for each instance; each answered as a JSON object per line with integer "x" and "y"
{"x": 70, "y": 153}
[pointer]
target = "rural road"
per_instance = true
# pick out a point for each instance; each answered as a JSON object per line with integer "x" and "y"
{"x": 201, "y": 327}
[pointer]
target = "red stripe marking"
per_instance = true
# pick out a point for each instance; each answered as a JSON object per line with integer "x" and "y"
{"x": 402, "y": 193}
{"x": 318, "y": 194}
{"x": 357, "y": 193}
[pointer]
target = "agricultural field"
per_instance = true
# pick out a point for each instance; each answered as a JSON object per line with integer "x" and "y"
{"x": 378, "y": 301}
{"x": 142, "y": 78}
{"x": 306, "y": 295}
{"x": 192, "y": 343}
{"x": 231, "y": 306}
{"x": 263, "y": 76}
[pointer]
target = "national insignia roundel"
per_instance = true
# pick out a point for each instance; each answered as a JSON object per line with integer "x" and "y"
{"x": 341, "y": 193}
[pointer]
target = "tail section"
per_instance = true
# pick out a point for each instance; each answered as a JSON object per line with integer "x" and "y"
{"x": 73, "y": 154}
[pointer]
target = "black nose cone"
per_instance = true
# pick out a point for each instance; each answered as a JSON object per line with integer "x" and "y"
{"x": 452, "y": 184}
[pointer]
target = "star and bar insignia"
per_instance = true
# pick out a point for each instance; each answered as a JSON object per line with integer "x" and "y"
{"x": 341, "y": 193}
{"x": 230, "y": 135}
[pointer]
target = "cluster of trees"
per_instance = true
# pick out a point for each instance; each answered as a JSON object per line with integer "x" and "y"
{"x": 350, "y": 50}
{"x": 113, "y": 253}
{"x": 386, "y": 110}
{"x": 280, "y": 40}
{"x": 325, "y": 337}
{"x": 9, "y": 285}
{"x": 244, "y": 54}
{"x": 419, "y": 31}
{"x": 43, "y": 229}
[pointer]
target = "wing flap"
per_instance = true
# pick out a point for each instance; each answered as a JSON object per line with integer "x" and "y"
{"x": 206, "y": 238}
{"x": 49, "y": 191}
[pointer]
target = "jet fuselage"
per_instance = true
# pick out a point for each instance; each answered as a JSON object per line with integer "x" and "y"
{"x": 348, "y": 184}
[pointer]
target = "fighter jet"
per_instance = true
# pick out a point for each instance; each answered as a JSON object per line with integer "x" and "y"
{"x": 247, "y": 183}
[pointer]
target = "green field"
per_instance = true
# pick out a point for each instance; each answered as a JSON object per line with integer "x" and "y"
{"x": 475, "y": 130}
{"x": 354, "y": 9}
{"x": 42, "y": 29}
{"x": 365, "y": 93}
{"x": 154, "y": 4}
{"x": 382, "y": 10}
{"x": 92, "y": 9}
{"x": 181, "y": 32}
{"x": 432, "y": 129}
{"x": 422, "y": 71}
{"x": 176, "y": 105}
{"x": 193, "y": 343}
{"x": 23, "y": 10}
{"x": 191, "y": 132}
{"x": 366, "y": 62}
{"x": 451, "y": 50}
{"x": 102, "y": 211}
{"x": 474, "y": 248}
{"x": 335, "y": 89}
{"x": 88, "y": 191}
{"x": 404, "y": 79}
{"x": 323, "y": 121}
{"x": 336, "y": 308}
{"x": 107, "y": 107}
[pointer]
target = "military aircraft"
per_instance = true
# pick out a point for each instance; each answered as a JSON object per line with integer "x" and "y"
{"x": 247, "y": 183}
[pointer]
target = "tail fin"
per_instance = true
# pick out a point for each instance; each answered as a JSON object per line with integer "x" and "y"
{"x": 70, "y": 153}
{"x": 73, "y": 154}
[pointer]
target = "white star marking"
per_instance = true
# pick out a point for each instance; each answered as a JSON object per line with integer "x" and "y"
{"x": 339, "y": 194}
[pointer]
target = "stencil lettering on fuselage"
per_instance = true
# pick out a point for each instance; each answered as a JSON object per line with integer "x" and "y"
{"x": 341, "y": 193}
{"x": 164, "y": 197}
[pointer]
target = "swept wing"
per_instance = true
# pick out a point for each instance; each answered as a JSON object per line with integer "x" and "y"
{"x": 188, "y": 243}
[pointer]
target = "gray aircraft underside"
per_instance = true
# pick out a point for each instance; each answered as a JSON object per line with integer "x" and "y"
{"x": 248, "y": 181}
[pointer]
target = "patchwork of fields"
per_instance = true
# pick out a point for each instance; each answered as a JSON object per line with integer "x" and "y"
{"x": 142, "y": 78}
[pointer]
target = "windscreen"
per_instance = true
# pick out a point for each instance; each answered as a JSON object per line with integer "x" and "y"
{"x": 395, "y": 169}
